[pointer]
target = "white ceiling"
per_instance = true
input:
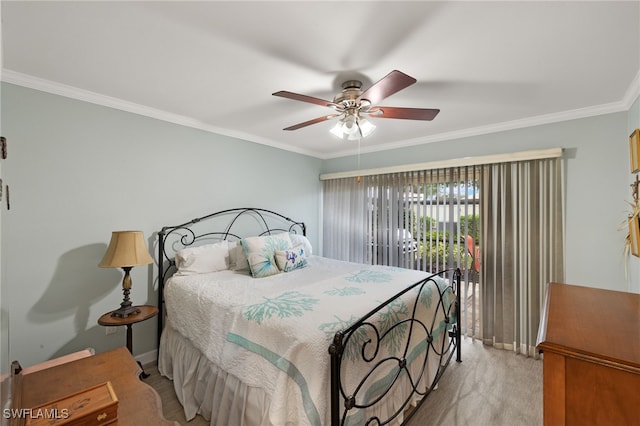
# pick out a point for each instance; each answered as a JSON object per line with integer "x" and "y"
{"x": 213, "y": 65}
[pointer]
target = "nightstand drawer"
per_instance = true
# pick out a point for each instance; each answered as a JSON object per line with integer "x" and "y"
{"x": 95, "y": 406}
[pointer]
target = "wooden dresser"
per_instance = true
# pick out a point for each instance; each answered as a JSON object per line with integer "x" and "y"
{"x": 138, "y": 403}
{"x": 591, "y": 344}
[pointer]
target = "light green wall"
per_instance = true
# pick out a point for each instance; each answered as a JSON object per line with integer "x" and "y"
{"x": 597, "y": 174}
{"x": 79, "y": 171}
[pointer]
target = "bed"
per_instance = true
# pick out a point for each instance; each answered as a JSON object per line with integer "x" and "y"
{"x": 254, "y": 329}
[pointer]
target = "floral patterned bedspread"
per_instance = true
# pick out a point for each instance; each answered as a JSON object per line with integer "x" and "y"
{"x": 273, "y": 333}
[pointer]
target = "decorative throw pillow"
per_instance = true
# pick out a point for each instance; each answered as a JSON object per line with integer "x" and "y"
{"x": 260, "y": 252}
{"x": 290, "y": 259}
{"x": 203, "y": 259}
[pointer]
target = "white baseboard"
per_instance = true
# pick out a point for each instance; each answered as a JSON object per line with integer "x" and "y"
{"x": 147, "y": 358}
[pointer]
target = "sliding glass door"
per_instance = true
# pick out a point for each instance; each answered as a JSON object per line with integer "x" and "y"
{"x": 427, "y": 220}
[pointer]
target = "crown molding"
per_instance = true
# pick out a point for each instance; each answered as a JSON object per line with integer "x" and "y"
{"x": 633, "y": 92}
{"x": 500, "y": 127}
{"x": 72, "y": 92}
{"x": 48, "y": 86}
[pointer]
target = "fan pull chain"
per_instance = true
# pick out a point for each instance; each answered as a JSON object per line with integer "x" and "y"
{"x": 358, "y": 179}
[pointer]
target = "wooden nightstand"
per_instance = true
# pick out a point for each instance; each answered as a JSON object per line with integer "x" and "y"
{"x": 146, "y": 312}
{"x": 138, "y": 403}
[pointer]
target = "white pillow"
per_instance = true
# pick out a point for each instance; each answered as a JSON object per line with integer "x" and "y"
{"x": 237, "y": 258}
{"x": 290, "y": 259}
{"x": 298, "y": 239}
{"x": 260, "y": 253}
{"x": 203, "y": 259}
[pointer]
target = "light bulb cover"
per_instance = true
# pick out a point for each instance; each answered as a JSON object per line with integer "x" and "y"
{"x": 350, "y": 124}
{"x": 366, "y": 127}
{"x": 352, "y": 127}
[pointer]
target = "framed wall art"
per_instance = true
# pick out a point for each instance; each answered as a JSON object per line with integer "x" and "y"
{"x": 634, "y": 150}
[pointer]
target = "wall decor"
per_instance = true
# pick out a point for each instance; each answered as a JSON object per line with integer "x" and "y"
{"x": 634, "y": 150}
{"x": 634, "y": 235}
{"x": 632, "y": 240}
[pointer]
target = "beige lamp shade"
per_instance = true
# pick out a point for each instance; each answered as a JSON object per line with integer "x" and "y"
{"x": 127, "y": 248}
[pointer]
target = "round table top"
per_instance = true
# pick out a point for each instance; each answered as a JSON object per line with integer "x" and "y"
{"x": 146, "y": 312}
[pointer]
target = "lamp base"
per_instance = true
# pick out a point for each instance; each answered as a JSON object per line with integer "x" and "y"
{"x": 125, "y": 306}
{"x": 125, "y": 311}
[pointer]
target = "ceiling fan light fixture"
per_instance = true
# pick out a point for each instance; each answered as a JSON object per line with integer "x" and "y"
{"x": 366, "y": 127}
{"x": 352, "y": 127}
{"x": 337, "y": 130}
{"x": 350, "y": 124}
{"x": 353, "y": 136}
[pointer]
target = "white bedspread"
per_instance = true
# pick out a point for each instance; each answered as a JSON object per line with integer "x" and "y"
{"x": 273, "y": 333}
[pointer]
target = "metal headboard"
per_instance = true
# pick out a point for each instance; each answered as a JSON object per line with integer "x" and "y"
{"x": 175, "y": 237}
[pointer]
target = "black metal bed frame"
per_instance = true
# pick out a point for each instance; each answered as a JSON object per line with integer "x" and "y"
{"x": 369, "y": 349}
{"x": 185, "y": 237}
{"x": 342, "y": 400}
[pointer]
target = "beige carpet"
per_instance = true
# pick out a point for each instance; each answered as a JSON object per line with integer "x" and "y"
{"x": 490, "y": 387}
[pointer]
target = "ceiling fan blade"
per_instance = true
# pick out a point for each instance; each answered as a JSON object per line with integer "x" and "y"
{"x": 305, "y": 98}
{"x": 387, "y": 86}
{"x": 404, "y": 113}
{"x": 310, "y": 122}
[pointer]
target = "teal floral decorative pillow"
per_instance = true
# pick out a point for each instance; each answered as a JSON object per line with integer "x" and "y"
{"x": 260, "y": 252}
{"x": 290, "y": 259}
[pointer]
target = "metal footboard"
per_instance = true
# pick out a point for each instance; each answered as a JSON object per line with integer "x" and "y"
{"x": 420, "y": 341}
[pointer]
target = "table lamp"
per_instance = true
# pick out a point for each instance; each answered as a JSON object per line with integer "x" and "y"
{"x": 126, "y": 250}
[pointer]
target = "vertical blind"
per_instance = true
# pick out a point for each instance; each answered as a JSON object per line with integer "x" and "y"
{"x": 501, "y": 223}
{"x": 398, "y": 219}
{"x": 523, "y": 228}
{"x": 426, "y": 220}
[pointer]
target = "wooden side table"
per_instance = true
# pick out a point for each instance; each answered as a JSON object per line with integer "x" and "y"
{"x": 138, "y": 403}
{"x": 146, "y": 312}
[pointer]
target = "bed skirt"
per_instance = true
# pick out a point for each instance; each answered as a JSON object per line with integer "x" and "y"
{"x": 205, "y": 389}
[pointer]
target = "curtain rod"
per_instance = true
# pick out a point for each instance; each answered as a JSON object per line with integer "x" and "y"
{"x": 456, "y": 162}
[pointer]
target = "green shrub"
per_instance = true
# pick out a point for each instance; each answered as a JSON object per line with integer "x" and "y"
{"x": 435, "y": 243}
{"x": 471, "y": 223}
{"x": 437, "y": 252}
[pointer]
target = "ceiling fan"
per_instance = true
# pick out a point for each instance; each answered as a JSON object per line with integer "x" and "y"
{"x": 352, "y": 103}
